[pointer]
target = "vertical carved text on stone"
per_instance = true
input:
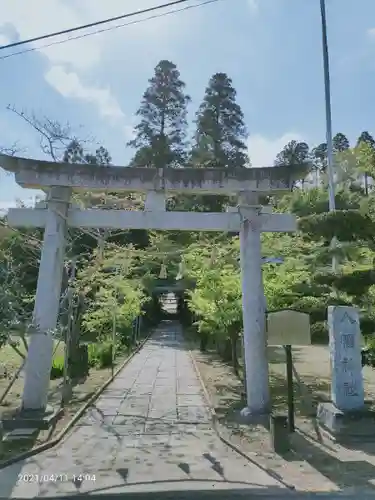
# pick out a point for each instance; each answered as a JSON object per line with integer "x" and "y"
{"x": 347, "y": 381}
{"x": 350, "y": 388}
{"x": 345, "y": 363}
{"x": 348, "y": 340}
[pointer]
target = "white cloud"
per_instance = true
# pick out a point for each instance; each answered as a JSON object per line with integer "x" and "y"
{"x": 4, "y": 40}
{"x": 253, "y": 6}
{"x": 371, "y": 33}
{"x": 31, "y": 19}
{"x": 70, "y": 85}
{"x": 6, "y": 205}
{"x": 72, "y": 63}
{"x": 263, "y": 150}
{"x": 129, "y": 132}
{"x": 38, "y": 17}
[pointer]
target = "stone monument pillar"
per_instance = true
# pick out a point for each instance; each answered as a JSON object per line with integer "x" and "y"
{"x": 47, "y": 302}
{"x": 347, "y": 391}
{"x": 255, "y": 341}
{"x": 346, "y": 415}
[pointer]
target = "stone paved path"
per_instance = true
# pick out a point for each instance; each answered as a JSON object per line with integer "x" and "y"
{"x": 149, "y": 431}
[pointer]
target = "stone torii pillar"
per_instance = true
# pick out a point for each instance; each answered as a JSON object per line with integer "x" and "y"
{"x": 47, "y": 302}
{"x": 255, "y": 340}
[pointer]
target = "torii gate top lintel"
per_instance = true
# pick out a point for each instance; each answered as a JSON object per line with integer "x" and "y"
{"x": 40, "y": 174}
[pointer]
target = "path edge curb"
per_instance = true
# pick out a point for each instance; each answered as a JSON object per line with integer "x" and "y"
{"x": 53, "y": 442}
{"x": 215, "y": 421}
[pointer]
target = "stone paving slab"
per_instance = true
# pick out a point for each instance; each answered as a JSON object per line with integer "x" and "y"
{"x": 193, "y": 413}
{"x": 149, "y": 430}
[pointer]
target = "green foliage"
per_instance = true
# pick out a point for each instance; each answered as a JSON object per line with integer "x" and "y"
{"x": 57, "y": 369}
{"x": 340, "y": 143}
{"x": 74, "y": 153}
{"x": 357, "y": 283}
{"x": 220, "y": 127}
{"x": 17, "y": 280}
{"x": 315, "y": 201}
{"x": 319, "y": 157}
{"x": 367, "y": 326}
{"x": 304, "y": 281}
{"x": 345, "y": 225}
{"x": 160, "y": 134}
{"x": 319, "y": 332}
{"x": 295, "y": 155}
{"x": 111, "y": 295}
{"x": 100, "y": 354}
{"x": 216, "y": 300}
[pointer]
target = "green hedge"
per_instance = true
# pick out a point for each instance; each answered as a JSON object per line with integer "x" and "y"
{"x": 100, "y": 356}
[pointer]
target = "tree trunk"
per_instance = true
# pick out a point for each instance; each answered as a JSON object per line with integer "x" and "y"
{"x": 78, "y": 359}
{"x": 233, "y": 341}
{"x": 225, "y": 350}
{"x": 203, "y": 341}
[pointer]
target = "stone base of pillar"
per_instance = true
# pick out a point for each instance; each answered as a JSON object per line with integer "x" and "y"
{"x": 346, "y": 426}
{"x": 32, "y": 419}
{"x": 247, "y": 416}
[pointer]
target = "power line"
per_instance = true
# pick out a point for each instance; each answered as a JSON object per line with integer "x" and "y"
{"x": 91, "y": 25}
{"x": 109, "y": 29}
{"x": 96, "y": 32}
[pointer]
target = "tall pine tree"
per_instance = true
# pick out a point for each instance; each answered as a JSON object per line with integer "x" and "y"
{"x": 220, "y": 138}
{"x": 366, "y": 149}
{"x": 319, "y": 161}
{"x": 296, "y": 156}
{"x": 160, "y": 135}
{"x": 319, "y": 155}
{"x": 367, "y": 138}
{"x": 340, "y": 143}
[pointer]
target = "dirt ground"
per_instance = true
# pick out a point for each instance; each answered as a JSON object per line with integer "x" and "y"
{"x": 9, "y": 362}
{"x": 315, "y": 463}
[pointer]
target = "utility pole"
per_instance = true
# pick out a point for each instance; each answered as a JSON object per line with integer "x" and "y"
{"x": 327, "y": 90}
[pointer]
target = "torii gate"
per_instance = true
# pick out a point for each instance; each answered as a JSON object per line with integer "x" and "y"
{"x": 60, "y": 179}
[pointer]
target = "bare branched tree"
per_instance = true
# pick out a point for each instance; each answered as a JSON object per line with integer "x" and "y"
{"x": 54, "y": 137}
{"x": 11, "y": 150}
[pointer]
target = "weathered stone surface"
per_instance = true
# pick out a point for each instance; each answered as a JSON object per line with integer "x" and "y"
{"x": 32, "y": 419}
{"x": 148, "y": 452}
{"x": 346, "y": 426}
{"x": 20, "y": 434}
{"x": 36, "y": 174}
{"x": 347, "y": 392}
{"x": 254, "y": 336}
{"x": 47, "y": 302}
{"x": 346, "y": 417}
{"x": 124, "y": 219}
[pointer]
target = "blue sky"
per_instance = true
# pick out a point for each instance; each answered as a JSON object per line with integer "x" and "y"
{"x": 270, "y": 48}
